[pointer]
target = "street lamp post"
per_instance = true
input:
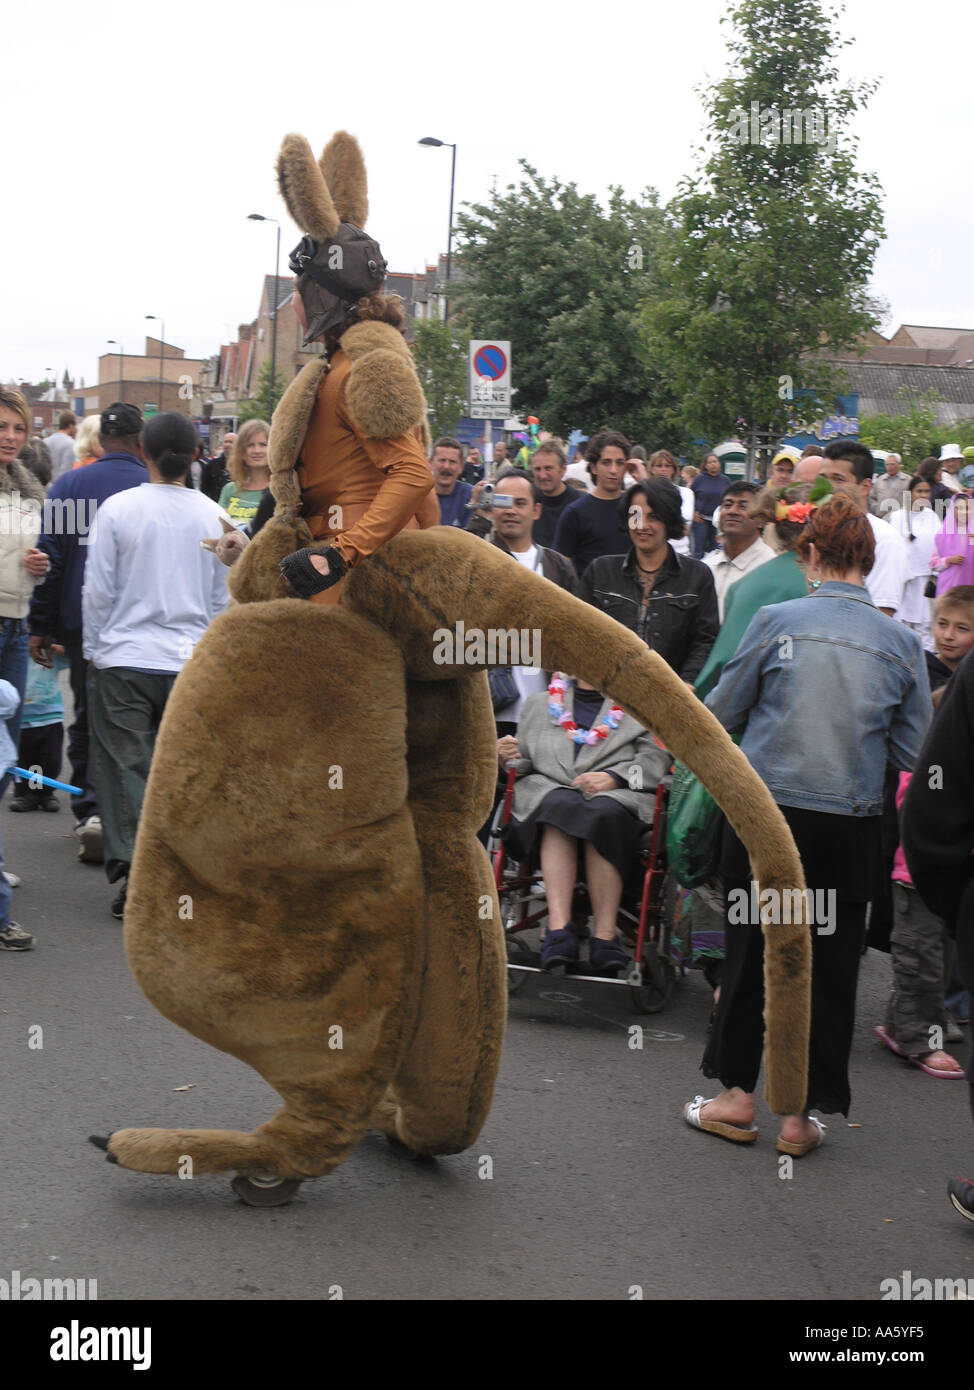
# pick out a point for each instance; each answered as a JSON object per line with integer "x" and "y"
{"x": 259, "y": 217}
{"x": 121, "y": 368}
{"x": 162, "y": 343}
{"x": 431, "y": 140}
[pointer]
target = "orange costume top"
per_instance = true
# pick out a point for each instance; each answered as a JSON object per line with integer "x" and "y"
{"x": 357, "y": 492}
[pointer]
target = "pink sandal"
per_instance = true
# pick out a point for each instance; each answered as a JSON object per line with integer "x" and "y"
{"x": 953, "y": 1073}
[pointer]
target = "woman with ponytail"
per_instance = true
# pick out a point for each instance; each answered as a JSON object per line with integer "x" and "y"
{"x": 150, "y": 593}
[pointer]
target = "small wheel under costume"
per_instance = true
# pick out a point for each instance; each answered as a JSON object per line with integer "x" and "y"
{"x": 518, "y": 953}
{"x": 258, "y": 1191}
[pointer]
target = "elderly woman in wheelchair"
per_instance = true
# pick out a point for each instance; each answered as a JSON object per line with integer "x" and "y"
{"x": 587, "y": 777}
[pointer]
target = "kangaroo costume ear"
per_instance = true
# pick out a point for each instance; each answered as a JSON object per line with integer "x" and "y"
{"x": 304, "y": 189}
{"x": 343, "y": 170}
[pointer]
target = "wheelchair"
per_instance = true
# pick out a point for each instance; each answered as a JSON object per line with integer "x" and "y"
{"x": 644, "y": 921}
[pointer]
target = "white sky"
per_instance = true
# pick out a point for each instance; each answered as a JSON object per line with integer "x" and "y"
{"x": 153, "y": 130}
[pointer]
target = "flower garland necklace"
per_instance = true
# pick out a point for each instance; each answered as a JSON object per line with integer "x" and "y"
{"x": 556, "y": 708}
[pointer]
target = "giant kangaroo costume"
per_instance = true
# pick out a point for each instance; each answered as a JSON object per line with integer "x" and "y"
{"x": 362, "y": 898}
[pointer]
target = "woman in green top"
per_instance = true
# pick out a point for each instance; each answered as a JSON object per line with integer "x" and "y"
{"x": 775, "y": 582}
{"x": 249, "y": 473}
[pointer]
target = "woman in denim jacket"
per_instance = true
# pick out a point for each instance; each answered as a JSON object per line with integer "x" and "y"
{"x": 827, "y": 690}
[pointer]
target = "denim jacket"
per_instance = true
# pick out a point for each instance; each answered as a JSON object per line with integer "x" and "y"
{"x": 828, "y": 690}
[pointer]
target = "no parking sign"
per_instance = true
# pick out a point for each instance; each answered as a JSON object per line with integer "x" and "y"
{"x": 490, "y": 379}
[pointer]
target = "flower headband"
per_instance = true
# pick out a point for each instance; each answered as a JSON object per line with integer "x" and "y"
{"x": 799, "y": 512}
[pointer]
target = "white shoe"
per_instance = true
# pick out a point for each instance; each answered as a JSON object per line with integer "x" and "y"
{"x": 13, "y": 880}
{"x": 89, "y": 833}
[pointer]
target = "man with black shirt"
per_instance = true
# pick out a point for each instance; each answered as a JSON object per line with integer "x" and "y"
{"x": 215, "y": 472}
{"x": 452, "y": 494}
{"x": 590, "y": 528}
{"x": 55, "y": 611}
{"x": 548, "y": 466}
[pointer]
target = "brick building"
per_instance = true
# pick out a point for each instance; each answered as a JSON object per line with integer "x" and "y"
{"x": 163, "y": 377}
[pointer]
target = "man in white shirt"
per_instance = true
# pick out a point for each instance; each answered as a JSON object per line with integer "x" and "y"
{"x": 849, "y": 466}
{"x": 950, "y": 461}
{"x": 744, "y": 550}
{"x": 61, "y": 445}
{"x": 150, "y": 592}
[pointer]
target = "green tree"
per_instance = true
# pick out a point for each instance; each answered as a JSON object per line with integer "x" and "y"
{"x": 258, "y": 407}
{"x": 547, "y": 267}
{"x": 441, "y": 364}
{"x": 911, "y": 432}
{"x": 767, "y": 251}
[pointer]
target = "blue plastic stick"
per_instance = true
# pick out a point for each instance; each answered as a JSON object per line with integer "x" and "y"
{"x": 26, "y": 776}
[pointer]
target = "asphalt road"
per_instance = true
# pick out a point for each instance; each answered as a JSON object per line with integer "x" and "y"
{"x": 597, "y": 1188}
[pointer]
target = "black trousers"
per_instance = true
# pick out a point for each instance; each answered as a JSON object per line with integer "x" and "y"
{"x": 41, "y": 747}
{"x": 86, "y": 804}
{"x": 736, "y": 1040}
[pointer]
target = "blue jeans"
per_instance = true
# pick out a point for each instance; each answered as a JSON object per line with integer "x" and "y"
{"x": 13, "y": 668}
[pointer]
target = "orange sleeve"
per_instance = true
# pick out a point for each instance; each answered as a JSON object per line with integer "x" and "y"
{"x": 404, "y": 492}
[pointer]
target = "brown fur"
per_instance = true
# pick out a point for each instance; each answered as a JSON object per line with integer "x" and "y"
{"x": 304, "y": 191}
{"x": 372, "y": 907}
{"x": 343, "y": 170}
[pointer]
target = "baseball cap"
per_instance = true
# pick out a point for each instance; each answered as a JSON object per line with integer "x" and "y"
{"x": 121, "y": 420}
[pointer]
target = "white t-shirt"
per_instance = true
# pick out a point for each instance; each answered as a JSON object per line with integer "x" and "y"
{"x": 528, "y": 679}
{"x": 150, "y": 589}
{"x": 891, "y": 567}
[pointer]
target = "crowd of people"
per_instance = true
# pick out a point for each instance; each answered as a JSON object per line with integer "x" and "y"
{"x": 826, "y": 579}
{"x": 762, "y": 597}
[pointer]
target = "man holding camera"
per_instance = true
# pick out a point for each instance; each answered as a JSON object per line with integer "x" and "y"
{"x": 513, "y": 505}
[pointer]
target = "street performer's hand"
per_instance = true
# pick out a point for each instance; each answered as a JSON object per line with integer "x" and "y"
{"x": 229, "y": 547}
{"x": 312, "y": 570}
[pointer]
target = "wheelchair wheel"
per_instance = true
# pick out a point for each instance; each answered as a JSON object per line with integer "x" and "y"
{"x": 518, "y": 953}
{"x": 658, "y": 982}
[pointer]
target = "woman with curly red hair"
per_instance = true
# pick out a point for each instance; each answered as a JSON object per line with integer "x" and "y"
{"x": 825, "y": 691}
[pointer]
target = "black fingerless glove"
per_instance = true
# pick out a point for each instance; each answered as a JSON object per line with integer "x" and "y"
{"x": 302, "y": 575}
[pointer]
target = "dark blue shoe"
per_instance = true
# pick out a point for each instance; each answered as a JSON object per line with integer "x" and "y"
{"x": 961, "y": 1194}
{"x": 559, "y": 949}
{"x": 607, "y": 956}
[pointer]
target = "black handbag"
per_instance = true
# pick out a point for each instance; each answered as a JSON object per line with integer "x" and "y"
{"x": 930, "y": 588}
{"x": 503, "y": 687}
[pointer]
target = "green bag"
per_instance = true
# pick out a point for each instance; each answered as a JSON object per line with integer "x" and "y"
{"x": 693, "y": 823}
